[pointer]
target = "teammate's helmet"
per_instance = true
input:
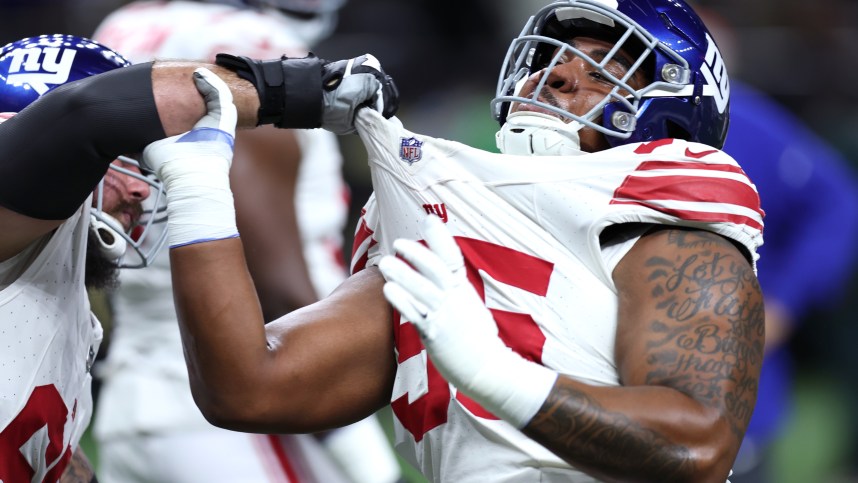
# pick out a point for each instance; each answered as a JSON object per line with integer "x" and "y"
{"x": 33, "y": 66}
{"x": 688, "y": 96}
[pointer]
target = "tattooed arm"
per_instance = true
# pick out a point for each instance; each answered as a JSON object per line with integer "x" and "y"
{"x": 79, "y": 470}
{"x": 688, "y": 350}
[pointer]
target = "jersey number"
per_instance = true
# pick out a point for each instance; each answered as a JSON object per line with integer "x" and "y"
{"x": 45, "y": 411}
{"x": 427, "y": 408}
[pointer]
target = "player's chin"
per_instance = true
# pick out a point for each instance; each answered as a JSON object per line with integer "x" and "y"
{"x": 101, "y": 272}
{"x": 592, "y": 141}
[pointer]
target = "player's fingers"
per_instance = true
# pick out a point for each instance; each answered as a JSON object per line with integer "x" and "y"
{"x": 441, "y": 243}
{"x": 412, "y": 310}
{"x": 221, "y": 112}
{"x": 424, "y": 261}
{"x": 421, "y": 289}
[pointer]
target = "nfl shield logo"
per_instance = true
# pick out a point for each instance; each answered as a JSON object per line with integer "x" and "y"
{"x": 410, "y": 150}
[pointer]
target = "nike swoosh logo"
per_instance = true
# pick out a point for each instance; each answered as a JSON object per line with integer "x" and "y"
{"x": 699, "y": 155}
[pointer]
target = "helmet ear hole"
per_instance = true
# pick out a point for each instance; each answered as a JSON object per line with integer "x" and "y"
{"x": 676, "y": 131}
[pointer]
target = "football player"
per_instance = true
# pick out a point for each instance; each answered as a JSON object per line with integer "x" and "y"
{"x": 70, "y": 112}
{"x": 583, "y": 307}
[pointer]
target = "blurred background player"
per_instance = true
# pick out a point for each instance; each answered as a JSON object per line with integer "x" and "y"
{"x": 292, "y": 205}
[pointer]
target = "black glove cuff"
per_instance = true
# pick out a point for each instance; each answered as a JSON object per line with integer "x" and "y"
{"x": 290, "y": 90}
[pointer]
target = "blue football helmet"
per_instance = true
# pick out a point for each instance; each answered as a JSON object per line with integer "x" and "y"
{"x": 31, "y": 67}
{"x": 688, "y": 93}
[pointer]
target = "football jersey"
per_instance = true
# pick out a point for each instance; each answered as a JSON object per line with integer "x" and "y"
{"x": 186, "y": 30}
{"x": 529, "y": 229}
{"x": 49, "y": 341}
{"x": 146, "y": 345}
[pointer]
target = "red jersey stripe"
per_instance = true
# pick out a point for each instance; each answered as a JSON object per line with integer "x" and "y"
{"x": 654, "y": 165}
{"x": 360, "y": 246}
{"x": 688, "y": 188}
{"x": 283, "y": 458}
{"x": 690, "y": 215}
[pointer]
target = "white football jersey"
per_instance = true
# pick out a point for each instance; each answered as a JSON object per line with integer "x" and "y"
{"x": 185, "y": 30}
{"x": 529, "y": 230}
{"x": 146, "y": 344}
{"x": 49, "y": 341}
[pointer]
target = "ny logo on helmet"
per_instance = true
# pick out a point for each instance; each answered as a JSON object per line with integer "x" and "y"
{"x": 717, "y": 83}
{"x": 40, "y": 66}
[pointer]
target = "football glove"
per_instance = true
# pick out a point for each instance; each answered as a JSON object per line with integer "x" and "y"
{"x": 457, "y": 329}
{"x": 354, "y": 83}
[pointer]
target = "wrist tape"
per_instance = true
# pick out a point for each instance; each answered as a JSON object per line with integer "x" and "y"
{"x": 512, "y": 387}
{"x": 200, "y": 204}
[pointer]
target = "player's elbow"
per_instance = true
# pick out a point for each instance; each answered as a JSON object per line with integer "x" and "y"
{"x": 250, "y": 405}
{"x": 228, "y": 410}
{"x": 223, "y": 403}
{"x": 715, "y": 453}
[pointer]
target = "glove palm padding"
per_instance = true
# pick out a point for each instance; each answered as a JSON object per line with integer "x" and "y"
{"x": 354, "y": 83}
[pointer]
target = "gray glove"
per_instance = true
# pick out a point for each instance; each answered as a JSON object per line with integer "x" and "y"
{"x": 351, "y": 84}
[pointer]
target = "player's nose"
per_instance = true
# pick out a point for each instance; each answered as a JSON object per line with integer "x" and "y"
{"x": 137, "y": 188}
{"x": 563, "y": 77}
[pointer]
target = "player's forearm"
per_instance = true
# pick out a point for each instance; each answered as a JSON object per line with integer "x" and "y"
{"x": 88, "y": 124}
{"x": 293, "y": 374}
{"x": 180, "y": 104}
{"x": 642, "y": 433}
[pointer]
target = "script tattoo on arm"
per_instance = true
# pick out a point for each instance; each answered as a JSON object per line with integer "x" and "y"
{"x": 707, "y": 340}
{"x": 589, "y": 436}
{"x": 689, "y": 348}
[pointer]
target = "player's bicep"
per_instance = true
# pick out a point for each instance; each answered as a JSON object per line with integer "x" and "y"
{"x": 691, "y": 318}
{"x": 342, "y": 346}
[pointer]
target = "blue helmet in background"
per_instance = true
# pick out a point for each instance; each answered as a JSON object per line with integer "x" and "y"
{"x": 689, "y": 91}
{"x": 32, "y": 67}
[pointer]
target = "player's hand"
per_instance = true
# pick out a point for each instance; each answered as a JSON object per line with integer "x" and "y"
{"x": 457, "y": 329}
{"x": 354, "y": 83}
{"x": 212, "y": 136}
{"x": 194, "y": 168}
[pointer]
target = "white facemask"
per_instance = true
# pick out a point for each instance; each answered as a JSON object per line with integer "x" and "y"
{"x": 537, "y": 134}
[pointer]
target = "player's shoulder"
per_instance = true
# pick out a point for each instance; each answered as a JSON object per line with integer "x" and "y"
{"x": 672, "y": 154}
{"x": 676, "y": 149}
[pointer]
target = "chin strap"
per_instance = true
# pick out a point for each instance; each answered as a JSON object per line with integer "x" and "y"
{"x": 109, "y": 231}
{"x": 537, "y": 134}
